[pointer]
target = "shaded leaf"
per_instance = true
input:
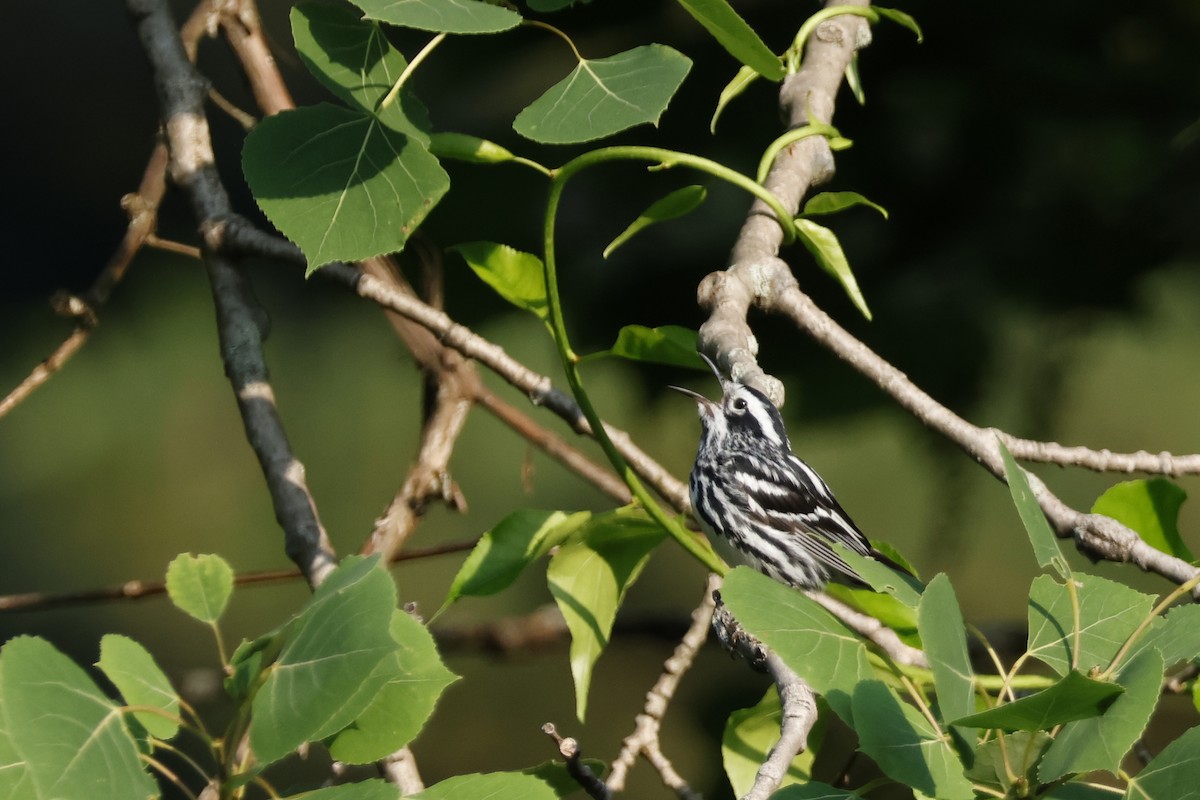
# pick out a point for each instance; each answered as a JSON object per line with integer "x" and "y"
{"x": 1177, "y": 637}
{"x": 740, "y": 82}
{"x": 200, "y": 586}
{"x": 1108, "y": 613}
{"x": 555, "y": 775}
{"x": 588, "y": 578}
{"x": 833, "y": 202}
{"x": 339, "y": 183}
{"x": 667, "y": 344}
{"x": 808, "y": 638}
{"x": 415, "y": 678}
{"x": 945, "y": 641}
{"x": 491, "y": 785}
{"x": 900, "y": 18}
{"x": 1045, "y": 543}
{"x": 1150, "y": 507}
{"x": 520, "y": 278}
{"x": 141, "y": 682}
{"x": 442, "y": 16}
{"x": 674, "y": 205}
{"x": 326, "y": 673}
{"x": 371, "y": 789}
{"x": 605, "y": 95}
{"x": 827, "y": 250}
{"x": 59, "y": 735}
{"x": 1174, "y": 774}
{"x": 1101, "y": 742}
{"x": 724, "y": 24}
{"x": 749, "y": 735}
{"x": 882, "y": 578}
{"x": 904, "y": 744}
{"x": 464, "y": 147}
{"x": 1074, "y": 697}
{"x": 813, "y": 790}
{"x": 1023, "y": 748}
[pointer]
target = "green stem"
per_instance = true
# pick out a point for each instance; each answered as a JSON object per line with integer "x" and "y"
{"x": 1179, "y": 592}
{"x": 408, "y": 70}
{"x": 796, "y": 134}
{"x": 570, "y": 361}
{"x": 795, "y": 53}
{"x": 1076, "y": 632}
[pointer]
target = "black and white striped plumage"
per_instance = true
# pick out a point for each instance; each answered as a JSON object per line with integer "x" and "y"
{"x": 761, "y": 505}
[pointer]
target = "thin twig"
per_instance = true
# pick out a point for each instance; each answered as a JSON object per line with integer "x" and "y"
{"x": 798, "y": 715}
{"x": 568, "y": 748}
{"x": 645, "y": 737}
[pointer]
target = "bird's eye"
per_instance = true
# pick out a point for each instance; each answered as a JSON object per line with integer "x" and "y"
{"x": 739, "y": 404}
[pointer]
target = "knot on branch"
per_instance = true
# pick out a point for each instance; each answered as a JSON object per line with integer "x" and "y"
{"x": 734, "y": 638}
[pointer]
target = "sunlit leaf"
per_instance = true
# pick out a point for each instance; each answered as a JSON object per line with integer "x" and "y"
{"x": 1173, "y": 774}
{"x": 674, "y": 205}
{"x": 588, "y": 578}
{"x": 1177, "y": 637}
{"x": 513, "y": 544}
{"x": 900, "y": 18}
{"x": 489, "y": 786}
{"x": 818, "y": 647}
{"x": 833, "y": 202}
{"x": 813, "y": 790}
{"x": 1074, "y": 697}
{"x": 141, "y": 682}
{"x": 371, "y": 789}
{"x": 740, "y": 82}
{"x": 1108, "y": 613}
{"x": 1150, "y": 507}
{"x": 904, "y": 588}
{"x": 750, "y": 733}
{"x": 442, "y": 16}
{"x": 555, "y": 775}
{"x": 60, "y": 737}
{"x": 666, "y": 344}
{"x": 1101, "y": 742}
{"x": 200, "y": 585}
{"x": 827, "y": 250}
{"x": 945, "y": 642}
{"x": 518, "y": 277}
{"x": 1045, "y": 543}
{"x": 605, "y": 95}
{"x": 905, "y": 745}
{"x": 720, "y": 20}
{"x": 326, "y": 673}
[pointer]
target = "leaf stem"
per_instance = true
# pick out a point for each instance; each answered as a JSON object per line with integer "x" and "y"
{"x": 408, "y": 70}
{"x": 1179, "y": 592}
{"x": 769, "y": 155}
{"x": 795, "y": 53}
{"x": 535, "y": 23}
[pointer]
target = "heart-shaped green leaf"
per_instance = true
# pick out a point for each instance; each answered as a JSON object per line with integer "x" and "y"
{"x": 200, "y": 585}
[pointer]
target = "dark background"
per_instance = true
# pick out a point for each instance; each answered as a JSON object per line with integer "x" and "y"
{"x": 1038, "y": 273}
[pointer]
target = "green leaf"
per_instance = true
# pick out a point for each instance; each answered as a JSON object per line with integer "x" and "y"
{"x": 520, "y": 278}
{"x": 833, "y": 202}
{"x": 1022, "y": 750}
{"x": 942, "y": 633}
{"x": 353, "y": 59}
{"x": 502, "y": 553}
{"x": 555, "y": 775}
{"x": 442, "y": 16}
{"x": 740, "y": 82}
{"x": 326, "y": 673}
{"x": 882, "y": 578}
{"x": 59, "y": 735}
{"x": 1101, "y": 742}
{"x": 854, "y": 80}
{"x": 827, "y": 250}
{"x": 1074, "y": 697}
{"x": 464, "y": 147}
{"x": 808, "y": 638}
{"x": 200, "y": 585}
{"x": 674, "y": 205}
{"x": 900, "y": 18}
{"x": 720, "y": 20}
{"x": 1173, "y": 774}
{"x": 371, "y": 789}
{"x": 813, "y": 790}
{"x": 1108, "y": 613}
{"x": 588, "y": 578}
{"x": 141, "y": 682}
{"x": 339, "y": 183}
{"x": 750, "y": 733}
{"x": 491, "y": 785}
{"x": 904, "y": 744}
{"x": 883, "y": 607}
{"x": 1045, "y": 543}
{"x": 666, "y": 344}
{"x": 605, "y": 96}
{"x": 415, "y": 679}
{"x": 1177, "y": 637}
{"x": 1150, "y": 507}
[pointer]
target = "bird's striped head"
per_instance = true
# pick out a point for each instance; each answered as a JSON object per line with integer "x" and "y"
{"x": 743, "y": 413}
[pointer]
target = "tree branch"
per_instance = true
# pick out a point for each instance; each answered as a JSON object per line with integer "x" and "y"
{"x": 241, "y": 322}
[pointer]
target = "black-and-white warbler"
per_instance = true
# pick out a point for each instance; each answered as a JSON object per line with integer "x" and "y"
{"x": 758, "y": 502}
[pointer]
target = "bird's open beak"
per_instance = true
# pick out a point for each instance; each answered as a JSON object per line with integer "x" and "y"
{"x": 703, "y": 402}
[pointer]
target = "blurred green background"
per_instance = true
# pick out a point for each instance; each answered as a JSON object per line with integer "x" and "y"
{"x": 1040, "y": 273}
